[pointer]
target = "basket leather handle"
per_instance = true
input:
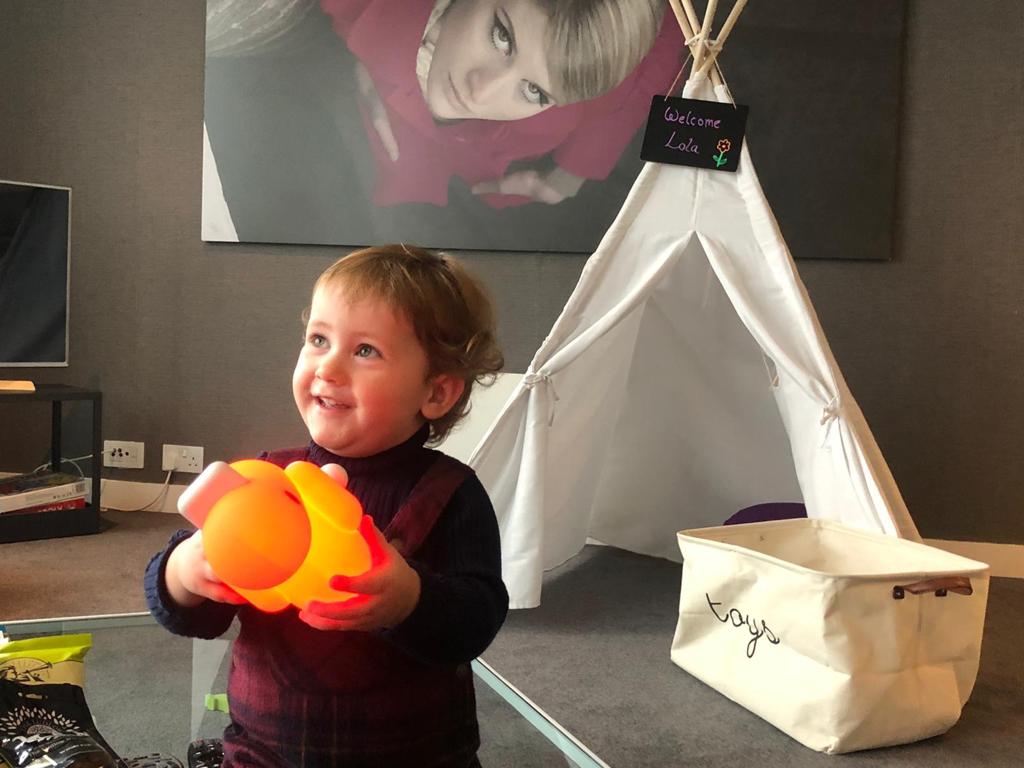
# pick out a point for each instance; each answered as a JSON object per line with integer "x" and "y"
{"x": 940, "y": 586}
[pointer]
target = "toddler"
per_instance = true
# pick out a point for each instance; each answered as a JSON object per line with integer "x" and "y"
{"x": 395, "y": 338}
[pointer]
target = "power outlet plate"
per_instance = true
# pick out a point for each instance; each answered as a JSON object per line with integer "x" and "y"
{"x": 183, "y": 458}
{"x": 124, "y": 454}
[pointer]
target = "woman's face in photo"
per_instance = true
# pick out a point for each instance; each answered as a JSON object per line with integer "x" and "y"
{"x": 490, "y": 61}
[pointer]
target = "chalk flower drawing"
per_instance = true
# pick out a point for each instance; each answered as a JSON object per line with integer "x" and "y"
{"x": 723, "y": 146}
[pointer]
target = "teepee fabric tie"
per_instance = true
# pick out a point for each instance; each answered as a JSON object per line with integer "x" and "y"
{"x": 829, "y": 416}
{"x": 831, "y": 411}
{"x": 532, "y": 379}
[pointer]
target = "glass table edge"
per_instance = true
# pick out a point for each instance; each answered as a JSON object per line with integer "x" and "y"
{"x": 78, "y": 623}
{"x": 564, "y": 741}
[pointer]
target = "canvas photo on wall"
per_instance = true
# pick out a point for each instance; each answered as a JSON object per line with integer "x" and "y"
{"x": 516, "y": 125}
{"x": 483, "y": 124}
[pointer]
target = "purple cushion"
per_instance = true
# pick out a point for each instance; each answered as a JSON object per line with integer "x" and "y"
{"x": 761, "y": 513}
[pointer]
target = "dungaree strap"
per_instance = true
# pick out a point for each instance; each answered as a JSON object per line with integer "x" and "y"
{"x": 285, "y": 456}
{"x": 416, "y": 517}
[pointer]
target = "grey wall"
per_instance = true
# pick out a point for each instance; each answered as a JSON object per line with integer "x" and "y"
{"x": 194, "y": 343}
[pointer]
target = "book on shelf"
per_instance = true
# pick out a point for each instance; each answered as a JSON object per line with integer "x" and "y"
{"x": 38, "y": 488}
{"x": 53, "y": 506}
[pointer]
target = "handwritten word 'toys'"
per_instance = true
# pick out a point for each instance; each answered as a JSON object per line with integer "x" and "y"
{"x": 737, "y": 619}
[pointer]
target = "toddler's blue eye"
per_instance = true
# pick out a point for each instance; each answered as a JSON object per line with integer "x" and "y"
{"x": 316, "y": 340}
{"x": 365, "y": 350}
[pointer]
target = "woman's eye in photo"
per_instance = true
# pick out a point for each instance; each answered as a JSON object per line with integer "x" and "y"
{"x": 534, "y": 94}
{"x": 501, "y": 37}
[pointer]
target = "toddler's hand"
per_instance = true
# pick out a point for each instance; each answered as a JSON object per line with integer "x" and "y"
{"x": 190, "y": 579}
{"x": 385, "y": 595}
{"x": 337, "y": 473}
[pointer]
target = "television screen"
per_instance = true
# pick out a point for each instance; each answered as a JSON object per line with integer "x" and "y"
{"x": 34, "y": 274}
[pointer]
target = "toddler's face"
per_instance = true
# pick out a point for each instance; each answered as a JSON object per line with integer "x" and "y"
{"x": 490, "y": 61}
{"x": 361, "y": 379}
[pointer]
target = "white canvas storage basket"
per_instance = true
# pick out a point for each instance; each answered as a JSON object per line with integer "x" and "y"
{"x": 841, "y": 638}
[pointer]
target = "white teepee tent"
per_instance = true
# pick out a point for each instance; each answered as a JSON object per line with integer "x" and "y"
{"x": 686, "y": 378}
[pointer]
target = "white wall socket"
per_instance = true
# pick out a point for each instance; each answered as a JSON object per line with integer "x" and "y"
{"x": 183, "y": 458}
{"x": 124, "y": 454}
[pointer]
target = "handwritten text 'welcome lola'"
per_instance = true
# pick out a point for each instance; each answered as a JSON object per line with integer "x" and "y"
{"x": 689, "y": 145}
{"x": 737, "y": 619}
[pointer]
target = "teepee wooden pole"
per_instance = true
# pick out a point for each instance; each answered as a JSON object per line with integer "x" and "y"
{"x": 723, "y": 35}
{"x": 687, "y": 19}
{"x": 705, "y": 32}
{"x": 691, "y": 15}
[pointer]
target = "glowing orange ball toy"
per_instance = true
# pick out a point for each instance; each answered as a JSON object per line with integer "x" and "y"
{"x": 277, "y": 536}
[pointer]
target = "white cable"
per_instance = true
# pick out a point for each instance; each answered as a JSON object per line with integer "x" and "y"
{"x": 70, "y": 461}
{"x": 145, "y": 507}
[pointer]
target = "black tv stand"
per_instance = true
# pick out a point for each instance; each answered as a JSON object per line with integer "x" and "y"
{"x": 61, "y": 522}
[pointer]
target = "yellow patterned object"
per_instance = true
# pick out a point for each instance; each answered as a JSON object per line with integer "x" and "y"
{"x": 39, "y": 660}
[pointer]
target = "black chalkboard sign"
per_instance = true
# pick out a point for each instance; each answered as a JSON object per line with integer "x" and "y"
{"x": 704, "y": 134}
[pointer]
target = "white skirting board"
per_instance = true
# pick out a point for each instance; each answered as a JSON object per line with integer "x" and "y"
{"x": 127, "y": 495}
{"x": 1006, "y": 560}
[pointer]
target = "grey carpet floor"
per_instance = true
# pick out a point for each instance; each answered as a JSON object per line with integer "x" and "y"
{"x": 594, "y": 656}
{"x": 83, "y": 575}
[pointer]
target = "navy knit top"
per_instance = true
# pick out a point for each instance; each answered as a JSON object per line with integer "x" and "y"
{"x": 403, "y": 696}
